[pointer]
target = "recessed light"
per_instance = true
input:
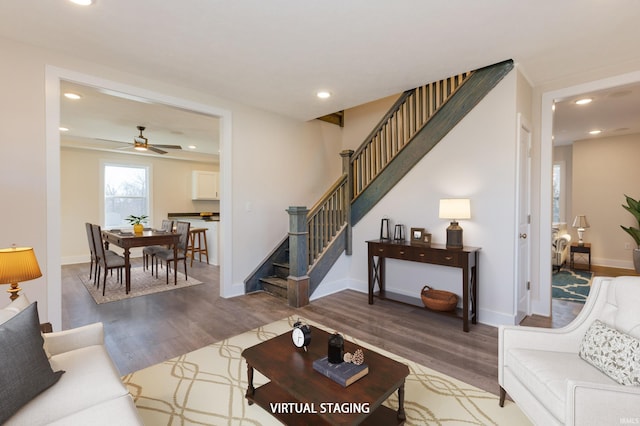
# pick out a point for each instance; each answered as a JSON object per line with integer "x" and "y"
{"x": 73, "y": 96}
{"x": 82, "y": 2}
{"x": 323, "y": 94}
{"x": 584, "y": 101}
{"x": 595, "y": 132}
{"x": 63, "y": 129}
{"x": 192, "y": 147}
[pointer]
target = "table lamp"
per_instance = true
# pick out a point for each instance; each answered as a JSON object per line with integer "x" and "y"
{"x": 454, "y": 209}
{"x": 581, "y": 223}
{"x": 18, "y": 264}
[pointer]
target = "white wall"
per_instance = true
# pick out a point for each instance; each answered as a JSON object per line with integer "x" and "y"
{"x": 273, "y": 162}
{"x": 475, "y": 160}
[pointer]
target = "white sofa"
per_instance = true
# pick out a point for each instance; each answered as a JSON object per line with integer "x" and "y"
{"x": 89, "y": 392}
{"x": 542, "y": 371}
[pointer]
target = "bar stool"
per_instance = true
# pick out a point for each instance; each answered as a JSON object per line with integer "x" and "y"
{"x": 197, "y": 236}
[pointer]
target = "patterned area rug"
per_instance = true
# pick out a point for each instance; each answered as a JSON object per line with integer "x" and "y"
{"x": 571, "y": 285}
{"x": 207, "y": 387}
{"x": 142, "y": 283}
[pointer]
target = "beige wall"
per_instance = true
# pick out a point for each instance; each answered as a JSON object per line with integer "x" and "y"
{"x": 80, "y": 172}
{"x": 605, "y": 169}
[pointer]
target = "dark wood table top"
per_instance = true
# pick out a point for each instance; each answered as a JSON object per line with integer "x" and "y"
{"x": 127, "y": 239}
{"x": 291, "y": 369}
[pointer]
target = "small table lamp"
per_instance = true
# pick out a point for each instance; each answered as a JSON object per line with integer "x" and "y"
{"x": 18, "y": 264}
{"x": 454, "y": 209}
{"x": 581, "y": 223}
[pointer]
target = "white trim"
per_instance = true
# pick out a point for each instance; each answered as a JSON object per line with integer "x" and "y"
{"x": 542, "y": 306}
{"x": 53, "y": 76}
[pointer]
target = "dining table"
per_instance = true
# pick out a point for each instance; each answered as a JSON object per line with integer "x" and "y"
{"x": 149, "y": 237}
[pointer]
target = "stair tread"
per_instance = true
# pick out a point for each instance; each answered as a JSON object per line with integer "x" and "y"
{"x": 276, "y": 281}
{"x": 281, "y": 264}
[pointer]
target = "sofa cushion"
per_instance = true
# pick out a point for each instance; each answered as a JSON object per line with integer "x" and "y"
{"x": 90, "y": 379}
{"x": 120, "y": 411}
{"x": 546, "y": 374}
{"x": 26, "y": 371}
{"x": 614, "y": 353}
{"x": 13, "y": 308}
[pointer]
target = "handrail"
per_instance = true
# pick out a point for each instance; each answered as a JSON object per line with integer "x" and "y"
{"x": 327, "y": 217}
{"x": 411, "y": 112}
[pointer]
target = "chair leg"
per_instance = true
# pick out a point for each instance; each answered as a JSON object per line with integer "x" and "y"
{"x": 185, "y": 269}
{"x": 104, "y": 283}
{"x": 503, "y": 394}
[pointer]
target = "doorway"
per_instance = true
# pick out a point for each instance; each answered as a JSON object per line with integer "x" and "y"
{"x": 54, "y": 78}
{"x": 542, "y": 304}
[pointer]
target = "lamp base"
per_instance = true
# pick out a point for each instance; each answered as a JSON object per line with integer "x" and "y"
{"x": 13, "y": 291}
{"x": 454, "y": 235}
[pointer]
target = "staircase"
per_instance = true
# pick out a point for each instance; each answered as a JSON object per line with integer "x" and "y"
{"x": 411, "y": 128}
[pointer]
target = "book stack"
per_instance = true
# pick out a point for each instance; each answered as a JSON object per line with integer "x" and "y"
{"x": 344, "y": 373}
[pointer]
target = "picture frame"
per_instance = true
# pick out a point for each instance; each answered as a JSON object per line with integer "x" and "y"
{"x": 420, "y": 237}
{"x": 417, "y": 235}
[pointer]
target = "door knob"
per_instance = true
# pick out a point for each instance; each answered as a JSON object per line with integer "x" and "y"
{"x": 523, "y": 236}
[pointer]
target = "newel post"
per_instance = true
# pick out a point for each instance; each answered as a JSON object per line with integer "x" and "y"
{"x": 298, "y": 280}
{"x": 346, "y": 169}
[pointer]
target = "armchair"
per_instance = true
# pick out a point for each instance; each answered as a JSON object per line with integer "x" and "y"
{"x": 543, "y": 373}
{"x": 560, "y": 242}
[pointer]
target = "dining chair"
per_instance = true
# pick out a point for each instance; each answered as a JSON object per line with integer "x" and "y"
{"x": 106, "y": 259}
{"x": 150, "y": 251}
{"x": 93, "y": 269}
{"x": 167, "y": 254}
{"x": 92, "y": 250}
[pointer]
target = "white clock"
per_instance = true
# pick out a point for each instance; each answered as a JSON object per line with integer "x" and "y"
{"x": 301, "y": 335}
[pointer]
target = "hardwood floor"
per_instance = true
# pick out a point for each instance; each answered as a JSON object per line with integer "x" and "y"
{"x": 145, "y": 330}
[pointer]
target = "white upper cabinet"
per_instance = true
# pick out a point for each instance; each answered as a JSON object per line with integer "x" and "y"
{"x": 205, "y": 185}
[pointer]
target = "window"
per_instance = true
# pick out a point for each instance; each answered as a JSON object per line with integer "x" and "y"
{"x": 126, "y": 192}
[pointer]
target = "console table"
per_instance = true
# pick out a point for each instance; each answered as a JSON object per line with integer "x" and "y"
{"x": 465, "y": 258}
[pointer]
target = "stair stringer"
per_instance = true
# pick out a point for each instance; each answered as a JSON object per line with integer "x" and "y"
{"x": 480, "y": 83}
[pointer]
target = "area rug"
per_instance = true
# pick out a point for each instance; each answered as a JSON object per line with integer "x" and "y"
{"x": 142, "y": 283}
{"x": 571, "y": 285}
{"x": 207, "y": 387}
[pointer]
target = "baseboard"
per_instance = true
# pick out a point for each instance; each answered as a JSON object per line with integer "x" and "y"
{"x": 614, "y": 263}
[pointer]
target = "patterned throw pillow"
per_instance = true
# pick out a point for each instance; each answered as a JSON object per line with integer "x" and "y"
{"x": 614, "y": 353}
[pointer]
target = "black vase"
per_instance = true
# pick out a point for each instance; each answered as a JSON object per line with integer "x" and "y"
{"x": 336, "y": 349}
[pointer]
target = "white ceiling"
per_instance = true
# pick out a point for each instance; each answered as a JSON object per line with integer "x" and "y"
{"x": 276, "y": 54}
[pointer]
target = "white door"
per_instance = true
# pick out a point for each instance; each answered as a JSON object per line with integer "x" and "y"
{"x": 523, "y": 300}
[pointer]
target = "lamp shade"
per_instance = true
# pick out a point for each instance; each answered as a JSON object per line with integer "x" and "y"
{"x": 18, "y": 264}
{"x": 580, "y": 221}
{"x": 455, "y": 208}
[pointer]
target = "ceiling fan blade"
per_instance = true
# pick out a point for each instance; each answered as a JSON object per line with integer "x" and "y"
{"x": 168, "y": 146}
{"x": 154, "y": 149}
{"x": 111, "y": 140}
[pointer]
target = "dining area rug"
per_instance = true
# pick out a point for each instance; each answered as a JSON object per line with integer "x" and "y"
{"x": 142, "y": 284}
{"x": 207, "y": 387}
{"x": 571, "y": 285}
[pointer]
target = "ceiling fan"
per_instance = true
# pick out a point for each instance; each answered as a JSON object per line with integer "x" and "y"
{"x": 140, "y": 143}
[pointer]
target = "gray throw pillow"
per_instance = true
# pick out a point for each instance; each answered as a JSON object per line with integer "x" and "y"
{"x": 614, "y": 353}
{"x": 25, "y": 370}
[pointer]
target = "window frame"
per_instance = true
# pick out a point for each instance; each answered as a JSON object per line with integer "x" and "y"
{"x": 126, "y": 164}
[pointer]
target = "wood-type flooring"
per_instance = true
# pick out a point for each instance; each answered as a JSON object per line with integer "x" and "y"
{"x": 143, "y": 331}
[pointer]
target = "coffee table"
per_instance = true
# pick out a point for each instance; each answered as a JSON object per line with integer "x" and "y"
{"x": 299, "y": 395}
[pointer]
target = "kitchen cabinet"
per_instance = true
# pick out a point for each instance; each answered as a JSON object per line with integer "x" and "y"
{"x": 205, "y": 185}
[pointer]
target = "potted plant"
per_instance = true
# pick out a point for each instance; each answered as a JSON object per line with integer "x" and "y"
{"x": 633, "y": 207}
{"x": 136, "y": 221}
